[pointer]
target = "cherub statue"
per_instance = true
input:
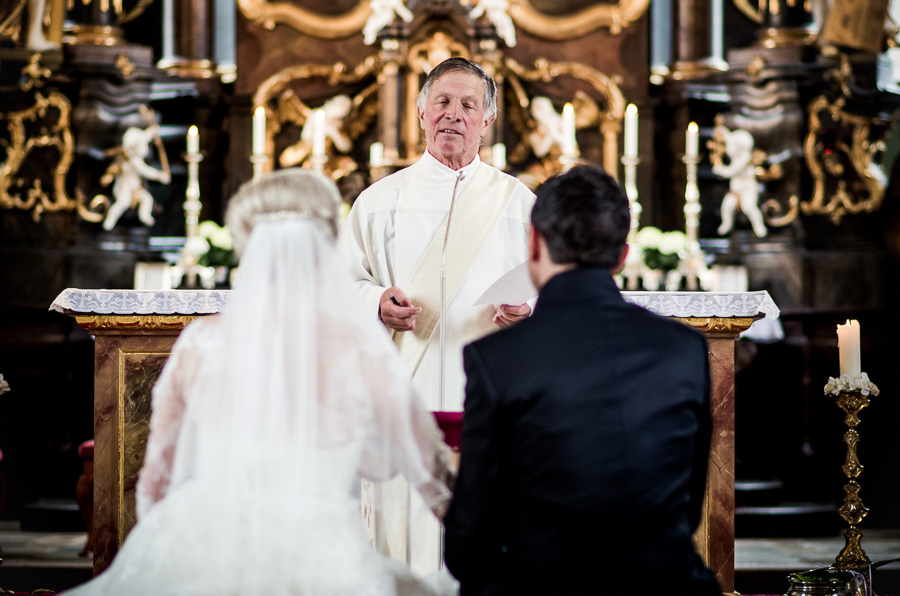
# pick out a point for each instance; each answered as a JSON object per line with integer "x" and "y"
{"x": 549, "y": 131}
{"x": 34, "y": 32}
{"x": 497, "y": 12}
{"x": 129, "y": 169}
{"x": 336, "y": 110}
{"x": 743, "y": 188}
{"x": 383, "y": 12}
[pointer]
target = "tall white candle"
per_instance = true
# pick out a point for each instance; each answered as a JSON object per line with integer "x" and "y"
{"x": 692, "y": 140}
{"x": 376, "y": 155}
{"x": 498, "y": 156}
{"x": 848, "y": 348}
{"x": 318, "y": 147}
{"x": 631, "y": 131}
{"x": 259, "y": 131}
{"x": 568, "y": 142}
{"x": 193, "y": 140}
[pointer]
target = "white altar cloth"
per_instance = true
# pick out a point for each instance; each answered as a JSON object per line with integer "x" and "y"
{"x": 202, "y": 302}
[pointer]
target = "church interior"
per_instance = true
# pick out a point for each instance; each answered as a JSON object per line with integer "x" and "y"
{"x": 757, "y": 143}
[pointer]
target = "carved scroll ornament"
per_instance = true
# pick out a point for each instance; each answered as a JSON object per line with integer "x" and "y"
{"x": 614, "y": 16}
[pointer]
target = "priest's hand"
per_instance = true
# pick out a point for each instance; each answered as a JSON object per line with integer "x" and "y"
{"x": 396, "y": 312}
{"x": 507, "y": 315}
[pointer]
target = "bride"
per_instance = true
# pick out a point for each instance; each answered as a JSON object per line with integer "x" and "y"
{"x": 266, "y": 417}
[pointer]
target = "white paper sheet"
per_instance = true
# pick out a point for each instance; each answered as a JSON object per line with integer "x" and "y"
{"x": 513, "y": 288}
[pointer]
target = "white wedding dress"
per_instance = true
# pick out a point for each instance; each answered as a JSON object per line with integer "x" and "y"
{"x": 264, "y": 420}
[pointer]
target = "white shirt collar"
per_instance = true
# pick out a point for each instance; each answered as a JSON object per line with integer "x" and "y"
{"x": 468, "y": 170}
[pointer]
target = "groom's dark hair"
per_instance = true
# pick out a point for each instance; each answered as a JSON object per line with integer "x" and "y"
{"x": 583, "y": 216}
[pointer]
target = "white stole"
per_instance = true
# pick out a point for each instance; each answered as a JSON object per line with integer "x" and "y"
{"x": 475, "y": 213}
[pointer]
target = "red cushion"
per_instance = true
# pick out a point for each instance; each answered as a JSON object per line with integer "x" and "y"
{"x": 86, "y": 450}
{"x": 451, "y": 425}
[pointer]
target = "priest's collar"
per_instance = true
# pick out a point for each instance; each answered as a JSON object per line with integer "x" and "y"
{"x": 468, "y": 170}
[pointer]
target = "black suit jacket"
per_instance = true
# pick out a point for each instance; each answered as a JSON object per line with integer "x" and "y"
{"x": 584, "y": 451}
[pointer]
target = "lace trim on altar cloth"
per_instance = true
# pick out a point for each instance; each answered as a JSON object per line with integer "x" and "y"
{"x": 140, "y": 302}
{"x": 706, "y": 304}
{"x": 191, "y": 302}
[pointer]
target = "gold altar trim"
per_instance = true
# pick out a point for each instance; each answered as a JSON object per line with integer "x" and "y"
{"x": 614, "y": 16}
{"x": 306, "y": 21}
{"x": 719, "y": 326}
{"x": 134, "y": 322}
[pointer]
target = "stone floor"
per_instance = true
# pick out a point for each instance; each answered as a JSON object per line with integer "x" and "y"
{"x": 33, "y": 560}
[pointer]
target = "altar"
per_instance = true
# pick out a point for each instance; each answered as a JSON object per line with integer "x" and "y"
{"x": 134, "y": 332}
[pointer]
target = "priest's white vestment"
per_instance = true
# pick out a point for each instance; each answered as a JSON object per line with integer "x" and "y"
{"x": 383, "y": 241}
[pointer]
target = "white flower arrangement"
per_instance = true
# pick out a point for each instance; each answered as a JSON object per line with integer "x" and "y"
{"x": 4, "y": 386}
{"x": 660, "y": 250}
{"x": 219, "y": 249}
{"x": 846, "y": 384}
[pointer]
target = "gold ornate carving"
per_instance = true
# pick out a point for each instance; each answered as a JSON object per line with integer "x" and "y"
{"x": 305, "y": 21}
{"x": 134, "y": 322}
{"x": 862, "y": 188}
{"x": 719, "y": 326}
{"x": 136, "y": 11}
{"x": 614, "y": 16}
{"x": 8, "y": 25}
{"x": 607, "y": 118}
{"x": 33, "y": 74}
{"x": 125, "y": 65}
{"x": 754, "y": 13}
{"x": 280, "y": 100}
{"x": 51, "y": 116}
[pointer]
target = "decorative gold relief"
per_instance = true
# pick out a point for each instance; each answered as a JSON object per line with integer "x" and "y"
{"x": 725, "y": 326}
{"x": 305, "y": 21}
{"x": 849, "y": 171}
{"x": 588, "y": 114}
{"x": 754, "y": 13}
{"x": 33, "y": 74}
{"x": 134, "y": 322}
{"x": 616, "y": 17}
{"x": 125, "y": 65}
{"x": 44, "y": 125}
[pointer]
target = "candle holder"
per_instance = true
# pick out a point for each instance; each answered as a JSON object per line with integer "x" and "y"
{"x": 852, "y": 395}
{"x": 631, "y": 272}
{"x": 318, "y": 162}
{"x": 188, "y": 265}
{"x": 259, "y": 164}
{"x": 692, "y": 266}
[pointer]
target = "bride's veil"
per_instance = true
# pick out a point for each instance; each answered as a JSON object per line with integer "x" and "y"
{"x": 308, "y": 398}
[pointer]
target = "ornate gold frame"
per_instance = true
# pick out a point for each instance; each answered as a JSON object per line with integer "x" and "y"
{"x": 305, "y": 21}
{"x": 610, "y": 120}
{"x": 59, "y": 136}
{"x": 614, "y": 16}
{"x": 861, "y": 153}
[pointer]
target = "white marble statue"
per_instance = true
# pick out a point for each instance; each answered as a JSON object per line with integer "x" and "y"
{"x": 130, "y": 170}
{"x": 383, "y": 13}
{"x": 549, "y": 131}
{"x": 336, "y": 110}
{"x": 743, "y": 188}
{"x": 497, "y": 12}
{"x": 34, "y": 28}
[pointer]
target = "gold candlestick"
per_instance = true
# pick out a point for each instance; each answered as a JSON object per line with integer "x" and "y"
{"x": 189, "y": 265}
{"x": 259, "y": 164}
{"x": 852, "y": 556}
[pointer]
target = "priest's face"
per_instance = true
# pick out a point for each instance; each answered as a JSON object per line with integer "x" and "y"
{"x": 454, "y": 118}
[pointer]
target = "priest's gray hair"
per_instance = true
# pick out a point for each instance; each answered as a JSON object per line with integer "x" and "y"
{"x": 460, "y": 64}
{"x": 293, "y": 190}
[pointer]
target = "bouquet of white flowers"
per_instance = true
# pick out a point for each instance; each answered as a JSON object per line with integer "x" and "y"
{"x": 220, "y": 251}
{"x": 4, "y": 386}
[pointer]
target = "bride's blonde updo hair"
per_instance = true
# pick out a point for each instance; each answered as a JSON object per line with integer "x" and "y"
{"x": 292, "y": 192}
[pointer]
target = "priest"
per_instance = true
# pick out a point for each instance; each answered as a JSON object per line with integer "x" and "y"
{"x": 426, "y": 242}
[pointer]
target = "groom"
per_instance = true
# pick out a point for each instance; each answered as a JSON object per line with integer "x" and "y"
{"x": 587, "y": 426}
